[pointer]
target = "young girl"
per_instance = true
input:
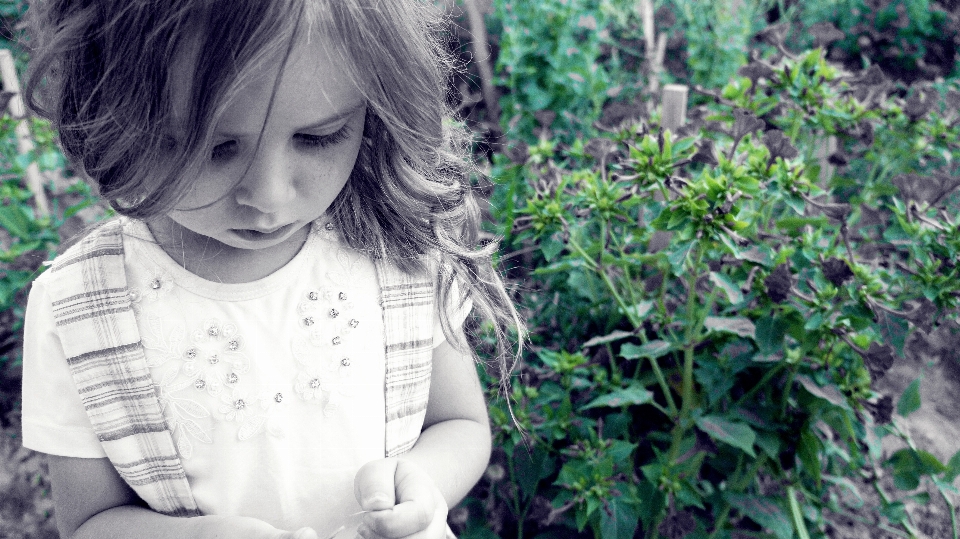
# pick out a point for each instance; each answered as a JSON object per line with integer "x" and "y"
{"x": 269, "y": 339}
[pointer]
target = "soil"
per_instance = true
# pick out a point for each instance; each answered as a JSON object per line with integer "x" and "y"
{"x": 935, "y": 427}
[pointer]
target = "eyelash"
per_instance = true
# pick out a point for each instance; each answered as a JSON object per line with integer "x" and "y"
{"x": 220, "y": 151}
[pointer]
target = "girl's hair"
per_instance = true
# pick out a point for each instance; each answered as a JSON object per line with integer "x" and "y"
{"x": 101, "y": 72}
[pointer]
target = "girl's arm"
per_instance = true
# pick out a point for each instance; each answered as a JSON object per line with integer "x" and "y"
{"x": 409, "y": 495}
{"x": 92, "y": 501}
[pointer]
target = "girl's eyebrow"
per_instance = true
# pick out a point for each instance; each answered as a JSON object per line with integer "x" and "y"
{"x": 335, "y": 118}
{"x": 325, "y": 122}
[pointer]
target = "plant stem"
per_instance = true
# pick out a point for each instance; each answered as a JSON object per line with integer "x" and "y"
{"x": 953, "y": 512}
{"x": 721, "y": 521}
{"x": 606, "y": 279}
{"x": 694, "y": 325}
{"x": 599, "y": 269}
{"x": 671, "y": 404}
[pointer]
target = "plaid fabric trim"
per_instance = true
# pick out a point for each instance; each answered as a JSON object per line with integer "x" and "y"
{"x": 408, "y": 305}
{"x": 100, "y": 338}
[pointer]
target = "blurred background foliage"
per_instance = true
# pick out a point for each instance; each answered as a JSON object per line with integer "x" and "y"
{"x": 711, "y": 307}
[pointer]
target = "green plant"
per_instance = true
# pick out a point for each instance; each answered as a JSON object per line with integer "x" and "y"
{"x": 717, "y": 35}
{"x": 722, "y": 380}
{"x": 908, "y": 39}
{"x": 559, "y": 57}
{"x": 26, "y": 240}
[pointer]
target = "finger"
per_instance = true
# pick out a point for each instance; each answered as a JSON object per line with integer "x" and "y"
{"x": 408, "y": 521}
{"x": 302, "y": 533}
{"x": 305, "y": 533}
{"x": 373, "y": 485}
{"x": 412, "y": 482}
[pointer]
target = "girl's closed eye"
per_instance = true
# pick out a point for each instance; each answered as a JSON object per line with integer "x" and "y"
{"x": 224, "y": 151}
{"x": 229, "y": 149}
{"x": 323, "y": 141}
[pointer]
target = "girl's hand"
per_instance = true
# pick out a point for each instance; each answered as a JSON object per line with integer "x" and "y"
{"x": 232, "y": 527}
{"x": 402, "y": 499}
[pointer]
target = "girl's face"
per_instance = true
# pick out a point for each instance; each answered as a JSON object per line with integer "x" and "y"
{"x": 250, "y": 197}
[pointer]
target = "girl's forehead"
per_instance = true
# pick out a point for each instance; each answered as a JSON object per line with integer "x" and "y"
{"x": 312, "y": 73}
{"x": 312, "y": 86}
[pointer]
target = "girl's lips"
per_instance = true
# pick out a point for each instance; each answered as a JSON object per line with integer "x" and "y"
{"x": 258, "y": 235}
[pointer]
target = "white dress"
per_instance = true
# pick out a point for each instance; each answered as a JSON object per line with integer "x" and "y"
{"x": 273, "y": 389}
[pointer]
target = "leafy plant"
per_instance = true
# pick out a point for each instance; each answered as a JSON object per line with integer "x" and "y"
{"x": 560, "y": 62}
{"x": 909, "y": 39}
{"x": 26, "y": 240}
{"x": 722, "y": 380}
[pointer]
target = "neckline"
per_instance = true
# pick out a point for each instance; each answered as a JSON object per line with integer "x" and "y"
{"x": 147, "y": 245}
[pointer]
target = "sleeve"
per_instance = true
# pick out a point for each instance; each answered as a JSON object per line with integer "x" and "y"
{"x": 54, "y": 419}
{"x": 457, "y": 314}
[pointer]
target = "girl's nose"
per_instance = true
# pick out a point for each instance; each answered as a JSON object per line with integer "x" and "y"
{"x": 268, "y": 184}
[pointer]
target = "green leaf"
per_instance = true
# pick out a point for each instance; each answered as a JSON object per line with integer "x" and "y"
{"x": 640, "y": 310}
{"x": 652, "y": 350}
{"x": 770, "y": 332}
{"x": 894, "y": 330}
{"x": 731, "y": 324}
{"x": 764, "y": 511}
{"x": 796, "y": 514}
{"x": 733, "y": 292}
{"x": 910, "y": 400}
{"x": 15, "y": 220}
{"x": 953, "y": 468}
{"x": 530, "y": 467}
{"x": 910, "y": 466}
{"x": 794, "y": 225}
{"x": 809, "y": 451}
{"x": 635, "y": 394}
{"x": 814, "y": 322}
{"x": 604, "y": 339}
{"x": 619, "y": 518}
{"x": 550, "y": 246}
{"x": 769, "y": 443}
{"x": 828, "y": 393}
{"x": 678, "y": 256}
{"x": 735, "y": 433}
{"x": 683, "y": 145}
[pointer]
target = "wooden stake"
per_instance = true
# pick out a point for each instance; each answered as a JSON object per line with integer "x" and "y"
{"x": 8, "y": 72}
{"x": 481, "y": 56}
{"x": 825, "y": 149}
{"x": 674, "y": 106}
{"x": 673, "y": 115}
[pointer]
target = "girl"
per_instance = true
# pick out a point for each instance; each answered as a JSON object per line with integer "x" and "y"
{"x": 269, "y": 339}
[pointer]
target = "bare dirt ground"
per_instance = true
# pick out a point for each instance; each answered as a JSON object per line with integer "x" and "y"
{"x": 935, "y": 427}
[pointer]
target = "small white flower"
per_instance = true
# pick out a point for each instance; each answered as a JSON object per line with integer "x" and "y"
{"x": 236, "y": 405}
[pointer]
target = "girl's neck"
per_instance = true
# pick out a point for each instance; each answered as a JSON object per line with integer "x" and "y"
{"x": 214, "y": 261}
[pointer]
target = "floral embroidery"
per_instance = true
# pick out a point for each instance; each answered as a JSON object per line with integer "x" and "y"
{"x": 220, "y": 344}
{"x": 234, "y": 405}
{"x": 165, "y": 346}
{"x": 181, "y": 413}
{"x": 157, "y": 285}
{"x": 309, "y": 386}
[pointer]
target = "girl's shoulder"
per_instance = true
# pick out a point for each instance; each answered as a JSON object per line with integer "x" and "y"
{"x": 104, "y": 238}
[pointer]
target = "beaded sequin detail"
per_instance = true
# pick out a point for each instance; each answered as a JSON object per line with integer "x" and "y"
{"x": 325, "y": 320}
